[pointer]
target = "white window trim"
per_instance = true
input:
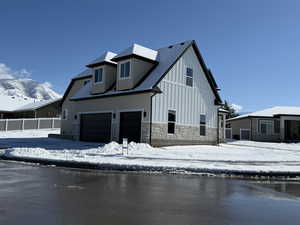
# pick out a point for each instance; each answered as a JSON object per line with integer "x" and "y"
{"x": 99, "y": 82}
{"x": 186, "y": 76}
{"x": 171, "y": 134}
{"x": 125, "y": 78}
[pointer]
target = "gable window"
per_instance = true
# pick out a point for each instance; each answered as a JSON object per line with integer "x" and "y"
{"x": 202, "y": 125}
{"x": 266, "y": 127}
{"x": 171, "y": 121}
{"x": 189, "y": 77}
{"x": 65, "y": 114}
{"x": 125, "y": 70}
{"x": 99, "y": 75}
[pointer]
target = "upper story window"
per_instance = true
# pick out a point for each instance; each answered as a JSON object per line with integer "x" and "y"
{"x": 125, "y": 70}
{"x": 202, "y": 124}
{"x": 171, "y": 121}
{"x": 189, "y": 77}
{"x": 98, "y": 75}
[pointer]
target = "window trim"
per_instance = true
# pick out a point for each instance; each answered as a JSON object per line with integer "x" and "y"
{"x": 120, "y": 70}
{"x": 174, "y": 122}
{"x": 272, "y": 128}
{"x": 189, "y": 77}
{"x": 202, "y": 125}
{"x": 102, "y": 75}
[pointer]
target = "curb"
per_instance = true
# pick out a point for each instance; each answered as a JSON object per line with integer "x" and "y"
{"x": 170, "y": 170}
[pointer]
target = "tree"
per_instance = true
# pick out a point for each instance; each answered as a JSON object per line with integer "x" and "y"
{"x": 232, "y": 113}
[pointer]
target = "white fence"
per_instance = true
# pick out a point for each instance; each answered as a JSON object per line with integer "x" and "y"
{"x": 29, "y": 124}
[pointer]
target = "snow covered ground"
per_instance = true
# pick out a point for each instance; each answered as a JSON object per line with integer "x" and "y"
{"x": 243, "y": 156}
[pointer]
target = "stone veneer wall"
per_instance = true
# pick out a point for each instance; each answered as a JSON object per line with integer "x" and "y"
{"x": 184, "y": 135}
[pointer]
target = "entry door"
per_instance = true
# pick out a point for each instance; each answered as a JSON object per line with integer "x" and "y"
{"x": 95, "y": 127}
{"x": 130, "y": 126}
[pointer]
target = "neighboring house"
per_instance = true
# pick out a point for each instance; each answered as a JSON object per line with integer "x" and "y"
{"x": 273, "y": 124}
{"x": 162, "y": 97}
{"x": 16, "y": 107}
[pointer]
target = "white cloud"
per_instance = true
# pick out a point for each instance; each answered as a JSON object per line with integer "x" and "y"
{"x": 236, "y": 107}
{"x": 8, "y": 73}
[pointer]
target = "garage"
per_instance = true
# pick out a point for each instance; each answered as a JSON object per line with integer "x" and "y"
{"x": 130, "y": 126}
{"x": 95, "y": 127}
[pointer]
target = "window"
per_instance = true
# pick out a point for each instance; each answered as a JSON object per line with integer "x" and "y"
{"x": 202, "y": 124}
{"x": 125, "y": 70}
{"x": 266, "y": 127}
{"x": 277, "y": 126}
{"x": 85, "y": 82}
{"x": 65, "y": 114}
{"x": 171, "y": 121}
{"x": 189, "y": 77}
{"x": 99, "y": 75}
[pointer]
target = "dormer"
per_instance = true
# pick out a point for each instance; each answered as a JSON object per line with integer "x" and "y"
{"x": 133, "y": 64}
{"x": 104, "y": 72}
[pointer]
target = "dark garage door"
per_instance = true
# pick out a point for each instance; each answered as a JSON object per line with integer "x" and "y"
{"x": 130, "y": 126}
{"x": 95, "y": 127}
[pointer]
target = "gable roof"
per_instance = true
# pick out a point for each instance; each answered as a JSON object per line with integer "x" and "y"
{"x": 104, "y": 58}
{"x": 137, "y": 50}
{"x": 271, "y": 112}
{"x": 166, "y": 58}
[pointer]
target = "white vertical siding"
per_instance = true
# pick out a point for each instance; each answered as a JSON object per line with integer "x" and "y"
{"x": 189, "y": 102}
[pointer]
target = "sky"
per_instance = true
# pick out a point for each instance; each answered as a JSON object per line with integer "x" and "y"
{"x": 252, "y": 47}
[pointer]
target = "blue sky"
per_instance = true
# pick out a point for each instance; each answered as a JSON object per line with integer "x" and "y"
{"x": 252, "y": 46}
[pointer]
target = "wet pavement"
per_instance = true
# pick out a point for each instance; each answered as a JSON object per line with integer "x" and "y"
{"x": 32, "y": 195}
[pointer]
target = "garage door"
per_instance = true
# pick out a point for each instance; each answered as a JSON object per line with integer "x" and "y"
{"x": 130, "y": 126}
{"x": 95, "y": 127}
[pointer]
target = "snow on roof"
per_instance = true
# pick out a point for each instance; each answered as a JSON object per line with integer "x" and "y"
{"x": 271, "y": 112}
{"x": 36, "y": 105}
{"x": 165, "y": 56}
{"x": 106, "y": 57}
{"x": 12, "y": 103}
{"x": 86, "y": 72}
{"x": 138, "y": 50}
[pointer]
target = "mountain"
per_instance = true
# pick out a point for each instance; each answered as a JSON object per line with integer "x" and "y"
{"x": 26, "y": 88}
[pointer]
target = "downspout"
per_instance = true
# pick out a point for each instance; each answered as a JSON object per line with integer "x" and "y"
{"x": 251, "y": 129}
{"x": 218, "y": 128}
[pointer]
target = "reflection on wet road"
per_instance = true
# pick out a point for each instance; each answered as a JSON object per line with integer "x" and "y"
{"x": 32, "y": 195}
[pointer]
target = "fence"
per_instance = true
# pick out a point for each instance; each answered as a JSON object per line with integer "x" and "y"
{"x": 228, "y": 133}
{"x": 29, "y": 124}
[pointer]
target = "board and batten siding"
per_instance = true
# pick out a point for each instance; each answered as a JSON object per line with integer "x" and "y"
{"x": 189, "y": 102}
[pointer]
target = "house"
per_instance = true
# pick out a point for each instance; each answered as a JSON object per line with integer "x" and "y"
{"x": 272, "y": 124}
{"x": 13, "y": 107}
{"x": 163, "y": 97}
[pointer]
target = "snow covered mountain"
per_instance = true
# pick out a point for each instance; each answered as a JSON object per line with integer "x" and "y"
{"x": 25, "y": 87}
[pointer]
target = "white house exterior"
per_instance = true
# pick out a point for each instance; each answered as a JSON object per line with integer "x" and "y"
{"x": 162, "y": 97}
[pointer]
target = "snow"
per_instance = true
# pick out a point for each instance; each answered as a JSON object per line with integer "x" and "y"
{"x": 243, "y": 156}
{"x": 138, "y": 50}
{"x": 15, "y": 103}
{"x": 271, "y": 112}
{"x": 106, "y": 57}
{"x": 166, "y": 57}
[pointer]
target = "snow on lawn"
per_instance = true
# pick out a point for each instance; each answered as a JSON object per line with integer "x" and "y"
{"x": 268, "y": 145}
{"x": 34, "y": 144}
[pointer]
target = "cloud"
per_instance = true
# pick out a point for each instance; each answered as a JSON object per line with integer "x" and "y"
{"x": 8, "y": 73}
{"x": 236, "y": 107}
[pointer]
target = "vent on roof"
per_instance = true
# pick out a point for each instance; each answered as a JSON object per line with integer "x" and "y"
{"x": 182, "y": 43}
{"x": 171, "y": 46}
